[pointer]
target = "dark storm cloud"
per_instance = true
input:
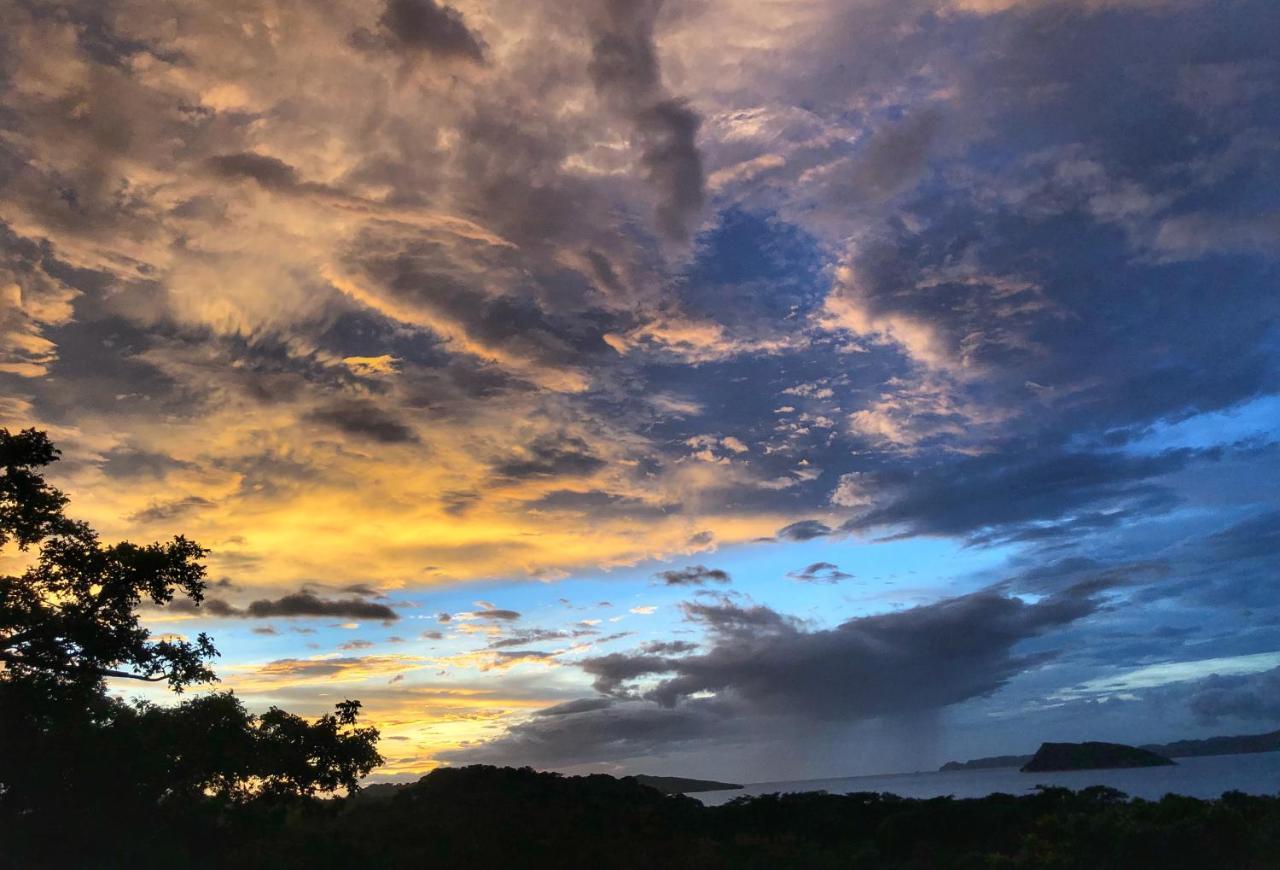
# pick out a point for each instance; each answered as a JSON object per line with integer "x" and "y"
{"x": 1247, "y": 698}
{"x": 820, "y": 572}
{"x": 551, "y": 456}
{"x": 804, "y": 530}
{"x": 422, "y": 26}
{"x": 365, "y": 419}
{"x": 595, "y": 731}
{"x": 901, "y": 662}
{"x": 615, "y": 669}
{"x": 1002, "y": 496}
{"x": 298, "y": 604}
{"x": 765, "y": 668}
{"x": 624, "y": 68}
{"x": 694, "y": 575}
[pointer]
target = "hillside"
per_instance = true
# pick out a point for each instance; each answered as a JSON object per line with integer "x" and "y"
{"x": 986, "y": 763}
{"x": 680, "y": 785}
{"x": 1235, "y": 745}
{"x": 1091, "y": 756}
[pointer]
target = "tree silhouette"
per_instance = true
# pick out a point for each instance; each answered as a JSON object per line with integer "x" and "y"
{"x": 77, "y": 765}
{"x": 72, "y": 616}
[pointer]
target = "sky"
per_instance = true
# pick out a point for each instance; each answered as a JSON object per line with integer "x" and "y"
{"x": 749, "y": 390}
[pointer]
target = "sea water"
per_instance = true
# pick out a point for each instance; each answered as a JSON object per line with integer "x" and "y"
{"x": 1202, "y": 777}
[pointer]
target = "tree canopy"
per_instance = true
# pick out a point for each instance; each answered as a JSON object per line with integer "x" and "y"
{"x": 72, "y": 616}
{"x": 76, "y": 762}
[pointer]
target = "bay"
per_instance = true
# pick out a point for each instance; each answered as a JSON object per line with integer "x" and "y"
{"x": 1202, "y": 777}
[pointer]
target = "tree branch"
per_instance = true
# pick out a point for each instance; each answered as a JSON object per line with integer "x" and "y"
{"x": 101, "y": 672}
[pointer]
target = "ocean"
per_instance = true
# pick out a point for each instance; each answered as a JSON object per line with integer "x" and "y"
{"x": 1203, "y": 777}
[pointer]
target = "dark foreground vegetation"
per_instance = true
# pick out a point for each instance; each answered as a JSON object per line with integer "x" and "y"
{"x": 91, "y": 781}
{"x": 480, "y": 817}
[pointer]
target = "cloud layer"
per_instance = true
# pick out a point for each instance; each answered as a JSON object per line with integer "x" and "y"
{"x": 414, "y": 294}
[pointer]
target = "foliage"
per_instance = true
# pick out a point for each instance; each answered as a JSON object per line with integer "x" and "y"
{"x": 73, "y": 615}
{"x": 485, "y": 817}
{"x": 78, "y": 766}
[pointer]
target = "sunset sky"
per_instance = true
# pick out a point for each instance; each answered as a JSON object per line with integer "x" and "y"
{"x": 752, "y": 390}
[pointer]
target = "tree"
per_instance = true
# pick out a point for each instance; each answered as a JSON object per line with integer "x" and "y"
{"x": 72, "y": 616}
{"x": 76, "y": 765}
{"x": 212, "y": 746}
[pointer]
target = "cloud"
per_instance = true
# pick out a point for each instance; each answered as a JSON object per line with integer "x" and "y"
{"x": 1244, "y": 698}
{"x": 668, "y": 647}
{"x": 524, "y": 637}
{"x": 549, "y": 456}
{"x": 289, "y": 672}
{"x": 820, "y": 572}
{"x": 298, "y": 604}
{"x": 804, "y": 530}
{"x": 590, "y": 730}
{"x": 498, "y": 660}
{"x": 694, "y": 575}
{"x": 270, "y": 172}
{"x": 625, "y": 71}
{"x": 365, "y": 420}
{"x": 488, "y": 612}
{"x": 581, "y": 705}
{"x": 765, "y": 673}
{"x": 990, "y": 285}
{"x": 1000, "y": 497}
{"x": 422, "y": 26}
{"x": 921, "y": 658}
{"x": 164, "y": 511}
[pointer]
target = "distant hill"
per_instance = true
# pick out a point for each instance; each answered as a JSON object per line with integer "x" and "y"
{"x": 1241, "y": 744}
{"x": 1237, "y": 745}
{"x": 665, "y": 784}
{"x": 680, "y": 785}
{"x": 985, "y": 763}
{"x": 1091, "y": 756}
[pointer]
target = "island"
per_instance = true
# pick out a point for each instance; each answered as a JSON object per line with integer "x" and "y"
{"x": 680, "y": 785}
{"x": 1091, "y": 756}
{"x": 986, "y": 763}
{"x": 1238, "y": 744}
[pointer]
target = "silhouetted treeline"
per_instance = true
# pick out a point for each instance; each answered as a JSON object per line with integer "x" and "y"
{"x": 478, "y": 817}
{"x": 89, "y": 780}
